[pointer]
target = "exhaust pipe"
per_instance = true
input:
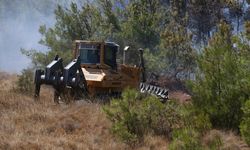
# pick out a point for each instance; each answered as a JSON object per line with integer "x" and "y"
{"x": 126, "y": 48}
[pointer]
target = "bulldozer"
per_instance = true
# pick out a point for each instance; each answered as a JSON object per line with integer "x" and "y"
{"x": 94, "y": 71}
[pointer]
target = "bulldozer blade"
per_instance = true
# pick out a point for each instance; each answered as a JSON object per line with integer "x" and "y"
{"x": 154, "y": 90}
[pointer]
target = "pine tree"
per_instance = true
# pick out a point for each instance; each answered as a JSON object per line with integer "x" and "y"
{"x": 72, "y": 23}
{"x": 177, "y": 51}
{"x": 203, "y": 17}
{"x": 217, "y": 89}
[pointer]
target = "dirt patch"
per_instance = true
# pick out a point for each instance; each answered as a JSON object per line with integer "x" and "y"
{"x": 181, "y": 96}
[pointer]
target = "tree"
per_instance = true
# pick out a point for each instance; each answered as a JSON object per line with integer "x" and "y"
{"x": 203, "y": 16}
{"x": 179, "y": 11}
{"x": 71, "y": 24}
{"x": 141, "y": 24}
{"x": 218, "y": 87}
{"x": 177, "y": 51}
{"x": 144, "y": 21}
{"x": 111, "y": 21}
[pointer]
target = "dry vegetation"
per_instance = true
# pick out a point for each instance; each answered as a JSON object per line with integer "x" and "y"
{"x": 229, "y": 140}
{"x": 26, "y": 124}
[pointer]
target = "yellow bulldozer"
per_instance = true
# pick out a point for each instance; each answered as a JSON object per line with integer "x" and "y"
{"x": 95, "y": 71}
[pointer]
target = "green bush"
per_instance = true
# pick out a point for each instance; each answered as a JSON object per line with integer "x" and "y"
{"x": 186, "y": 139}
{"x": 190, "y": 138}
{"x": 25, "y": 82}
{"x": 134, "y": 116}
{"x": 245, "y": 123}
{"x": 195, "y": 118}
{"x": 125, "y": 116}
{"x": 196, "y": 124}
{"x": 161, "y": 118}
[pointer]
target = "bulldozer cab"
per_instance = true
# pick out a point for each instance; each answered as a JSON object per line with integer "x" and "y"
{"x": 96, "y": 54}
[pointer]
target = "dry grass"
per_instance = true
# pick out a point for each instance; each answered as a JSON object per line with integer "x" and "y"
{"x": 26, "y": 124}
{"x": 7, "y": 81}
{"x": 228, "y": 139}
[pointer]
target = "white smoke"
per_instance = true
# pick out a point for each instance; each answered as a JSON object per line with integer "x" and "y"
{"x": 16, "y": 34}
{"x": 19, "y": 29}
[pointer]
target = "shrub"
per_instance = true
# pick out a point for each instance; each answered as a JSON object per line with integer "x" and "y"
{"x": 186, "y": 139}
{"x": 195, "y": 124}
{"x": 133, "y": 116}
{"x": 245, "y": 123}
{"x": 25, "y": 82}
{"x": 160, "y": 118}
{"x": 125, "y": 116}
{"x": 195, "y": 118}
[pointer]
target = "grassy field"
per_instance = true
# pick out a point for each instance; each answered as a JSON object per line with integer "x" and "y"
{"x": 26, "y": 124}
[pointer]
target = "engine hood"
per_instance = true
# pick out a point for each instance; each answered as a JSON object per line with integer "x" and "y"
{"x": 93, "y": 74}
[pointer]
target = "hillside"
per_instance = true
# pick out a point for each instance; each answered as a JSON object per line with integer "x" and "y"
{"x": 26, "y": 124}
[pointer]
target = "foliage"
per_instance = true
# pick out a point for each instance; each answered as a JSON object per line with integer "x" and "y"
{"x": 168, "y": 31}
{"x": 203, "y": 17}
{"x": 186, "y": 139}
{"x": 141, "y": 23}
{"x": 25, "y": 83}
{"x": 144, "y": 22}
{"x": 175, "y": 55}
{"x": 189, "y": 136}
{"x": 179, "y": 11}
{"x": 154, "y": 62}
{"x": 161, "y": 118}
{"x": 195, "y": 118}
{"x": 245, "y": 123}
{"x": 218, "y": 88}
{"x": 133, "y": 117}
{"x": 196, "y": 124}
{"x": 125, "y": 116}
{"x": 139, "y": 26}
{"x": 177, "y": 50}
{"x": 71, "y": 24}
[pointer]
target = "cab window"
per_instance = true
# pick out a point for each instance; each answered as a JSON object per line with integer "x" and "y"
{"x": 89, "y": 53}
{"x": 110, "y": 56}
